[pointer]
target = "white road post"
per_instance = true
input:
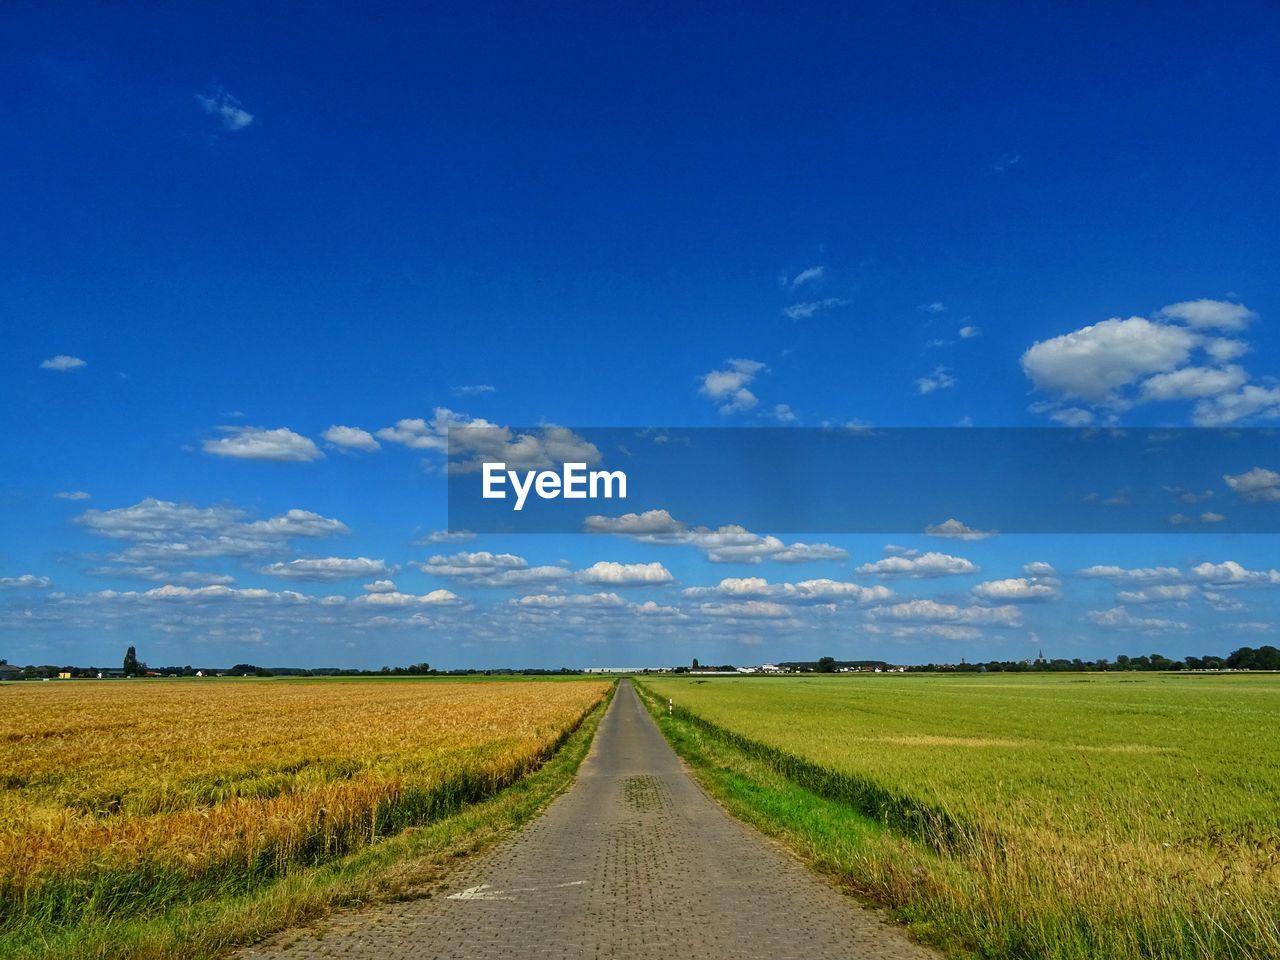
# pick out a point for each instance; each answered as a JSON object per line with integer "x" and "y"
{"x": 670, "y": 707}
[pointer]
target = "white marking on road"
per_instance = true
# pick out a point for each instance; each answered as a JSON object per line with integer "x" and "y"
{"x": 486, "y": 892}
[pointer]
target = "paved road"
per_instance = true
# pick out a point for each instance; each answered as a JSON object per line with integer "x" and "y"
{"x": 634, "y": 861}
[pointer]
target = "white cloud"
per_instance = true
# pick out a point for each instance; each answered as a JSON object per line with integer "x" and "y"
{"x": 62, "y": 363}
{"x": 1258, "y": 485}
{"x": 612, "y": 574}
{"x": 445, "y": 536}
{"x": 1038, "y": 568}
{"x": 1132, "y": 574}
{"x": 476, "y": 441}
{"x": 1193, "y": 383}
{"x": 805, "y": 276}
{"x": 1165, "y": 593}
{"x": 226, "y": 108}
{"x": 351, "y": 438}
{"x": 1229, "y": 573}
{"x": 729, "y": 544}
{"x": 557, "y": 600}
{"x": 71, "y": 495}
{"x": 806, "y": 591}
{"x": 393, "y": 598}
{"x": 166, "y": 532}
{"x": 649, "y": 522}
{"x": 1072, "y": 417}
{"x": 727, "y": 388}
{"x": 936, "y": 307}
{"x": 1118, "y": 618}
{"x": 158, "y": 574}
{"x": 1209, "y": 314}
{"x": 1095, "y": 362}
{"x": 808, "y": 553}
{"x": 936, "y": 612}
{"x": 932, "y": 564}
{"x": 1227, "y": 408}
{"x": 803, "y": 311}
{"x": 1224, "y": 351}
{"x": 474, "y": 389}
{"x": 259, "y": 443}
{"x": 968, "y": 333}
{"x": 940, "y": 379}
{"x": 25, "y": 581}
{"x": 326, "y": 568}
{"x": 746, "y": 610}
{"x": 956, "y": 530}
{"x": 475, "y": 564}
{"x": 1018, "y": 588}
{"x": 380, "y": 586}
{"x": 783, "y": 413}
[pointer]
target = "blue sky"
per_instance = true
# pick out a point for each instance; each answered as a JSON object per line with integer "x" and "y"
{"x": 248, "y": 221}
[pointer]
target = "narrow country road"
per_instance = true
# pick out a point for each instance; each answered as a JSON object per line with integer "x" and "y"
{"x": 633, "y": 860}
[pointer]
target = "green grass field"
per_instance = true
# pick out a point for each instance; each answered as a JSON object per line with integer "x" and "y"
{"x": 1016, "y": 816}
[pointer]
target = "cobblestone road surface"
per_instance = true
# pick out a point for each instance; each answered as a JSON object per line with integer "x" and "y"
{"x": 635, "y": 861}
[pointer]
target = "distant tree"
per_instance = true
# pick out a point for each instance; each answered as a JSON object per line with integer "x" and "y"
{"x": 695, "y": 663}
{"x": 826, "y": 664}
{"x": 131, "y": 667}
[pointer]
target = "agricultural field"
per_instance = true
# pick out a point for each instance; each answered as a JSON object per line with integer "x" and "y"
{"x": 122, "y": 799}
{"x": 1015, "y": 816}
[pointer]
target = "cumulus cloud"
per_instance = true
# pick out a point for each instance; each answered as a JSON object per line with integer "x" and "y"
{"x": 225, "y": 108}
{"x": 1119, "y": 363}
{"x": 326, "y": 568}
{"x": 163, "y": 531}
{"x": 1131, "y": 574}
{"x": 474, "y": 441}
{"x": 1209, "y": 314}
{"x": 608, "y": 573}
{"x": 351, "y": 438}
{"x": 937, "y": 612}
{"x": 1258, "y": 485}
{"x": 259, "y": 443}
{"x": 1038, "y": 568}
{"x": 729, "y": 544}
{"x": 394, "y": 598}
{"x": 968, "y": 333}
{"x": 1193, "y": 383}
{"x": 650, "y": 522}
{"x": 1094, "y": 362}
{"x": 445, "y": 536}
{"x": 1015, "y": 589}
{"x": 159, "y": 574}
{"x": 932, "y": 564}
{"x": 24, "y": 582}
{"x": 940, "y": 379}
{"x": 727, "y": 388}
{"x": 1251, "y": 400}
{"x": 1230, "y": 573}
{"x": 62, "y": 363}
{"x": 956, "y": 530}
{"x": 746, "y": 610}
{"x": 1118, "y": 618}
{"x": 1164, "y": 593}
{"x": 806, "y": 591}
{"x": 783, "y": 413}
{"x": 803, "y": 311}
{"x": 472, "y": 564}
{"x": 380, "y": 586}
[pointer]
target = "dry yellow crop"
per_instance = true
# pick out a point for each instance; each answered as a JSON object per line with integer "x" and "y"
{"x": 120, "y": 796}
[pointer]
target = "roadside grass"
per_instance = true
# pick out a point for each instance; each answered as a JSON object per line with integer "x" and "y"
{"x": 956, "y": 867}
{"x": 404, "y": 864}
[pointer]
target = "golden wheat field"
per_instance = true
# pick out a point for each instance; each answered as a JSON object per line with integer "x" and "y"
{"x": 123, "y": 797}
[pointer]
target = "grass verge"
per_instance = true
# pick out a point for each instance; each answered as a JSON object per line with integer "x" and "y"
{"x": 407, "y": 864}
